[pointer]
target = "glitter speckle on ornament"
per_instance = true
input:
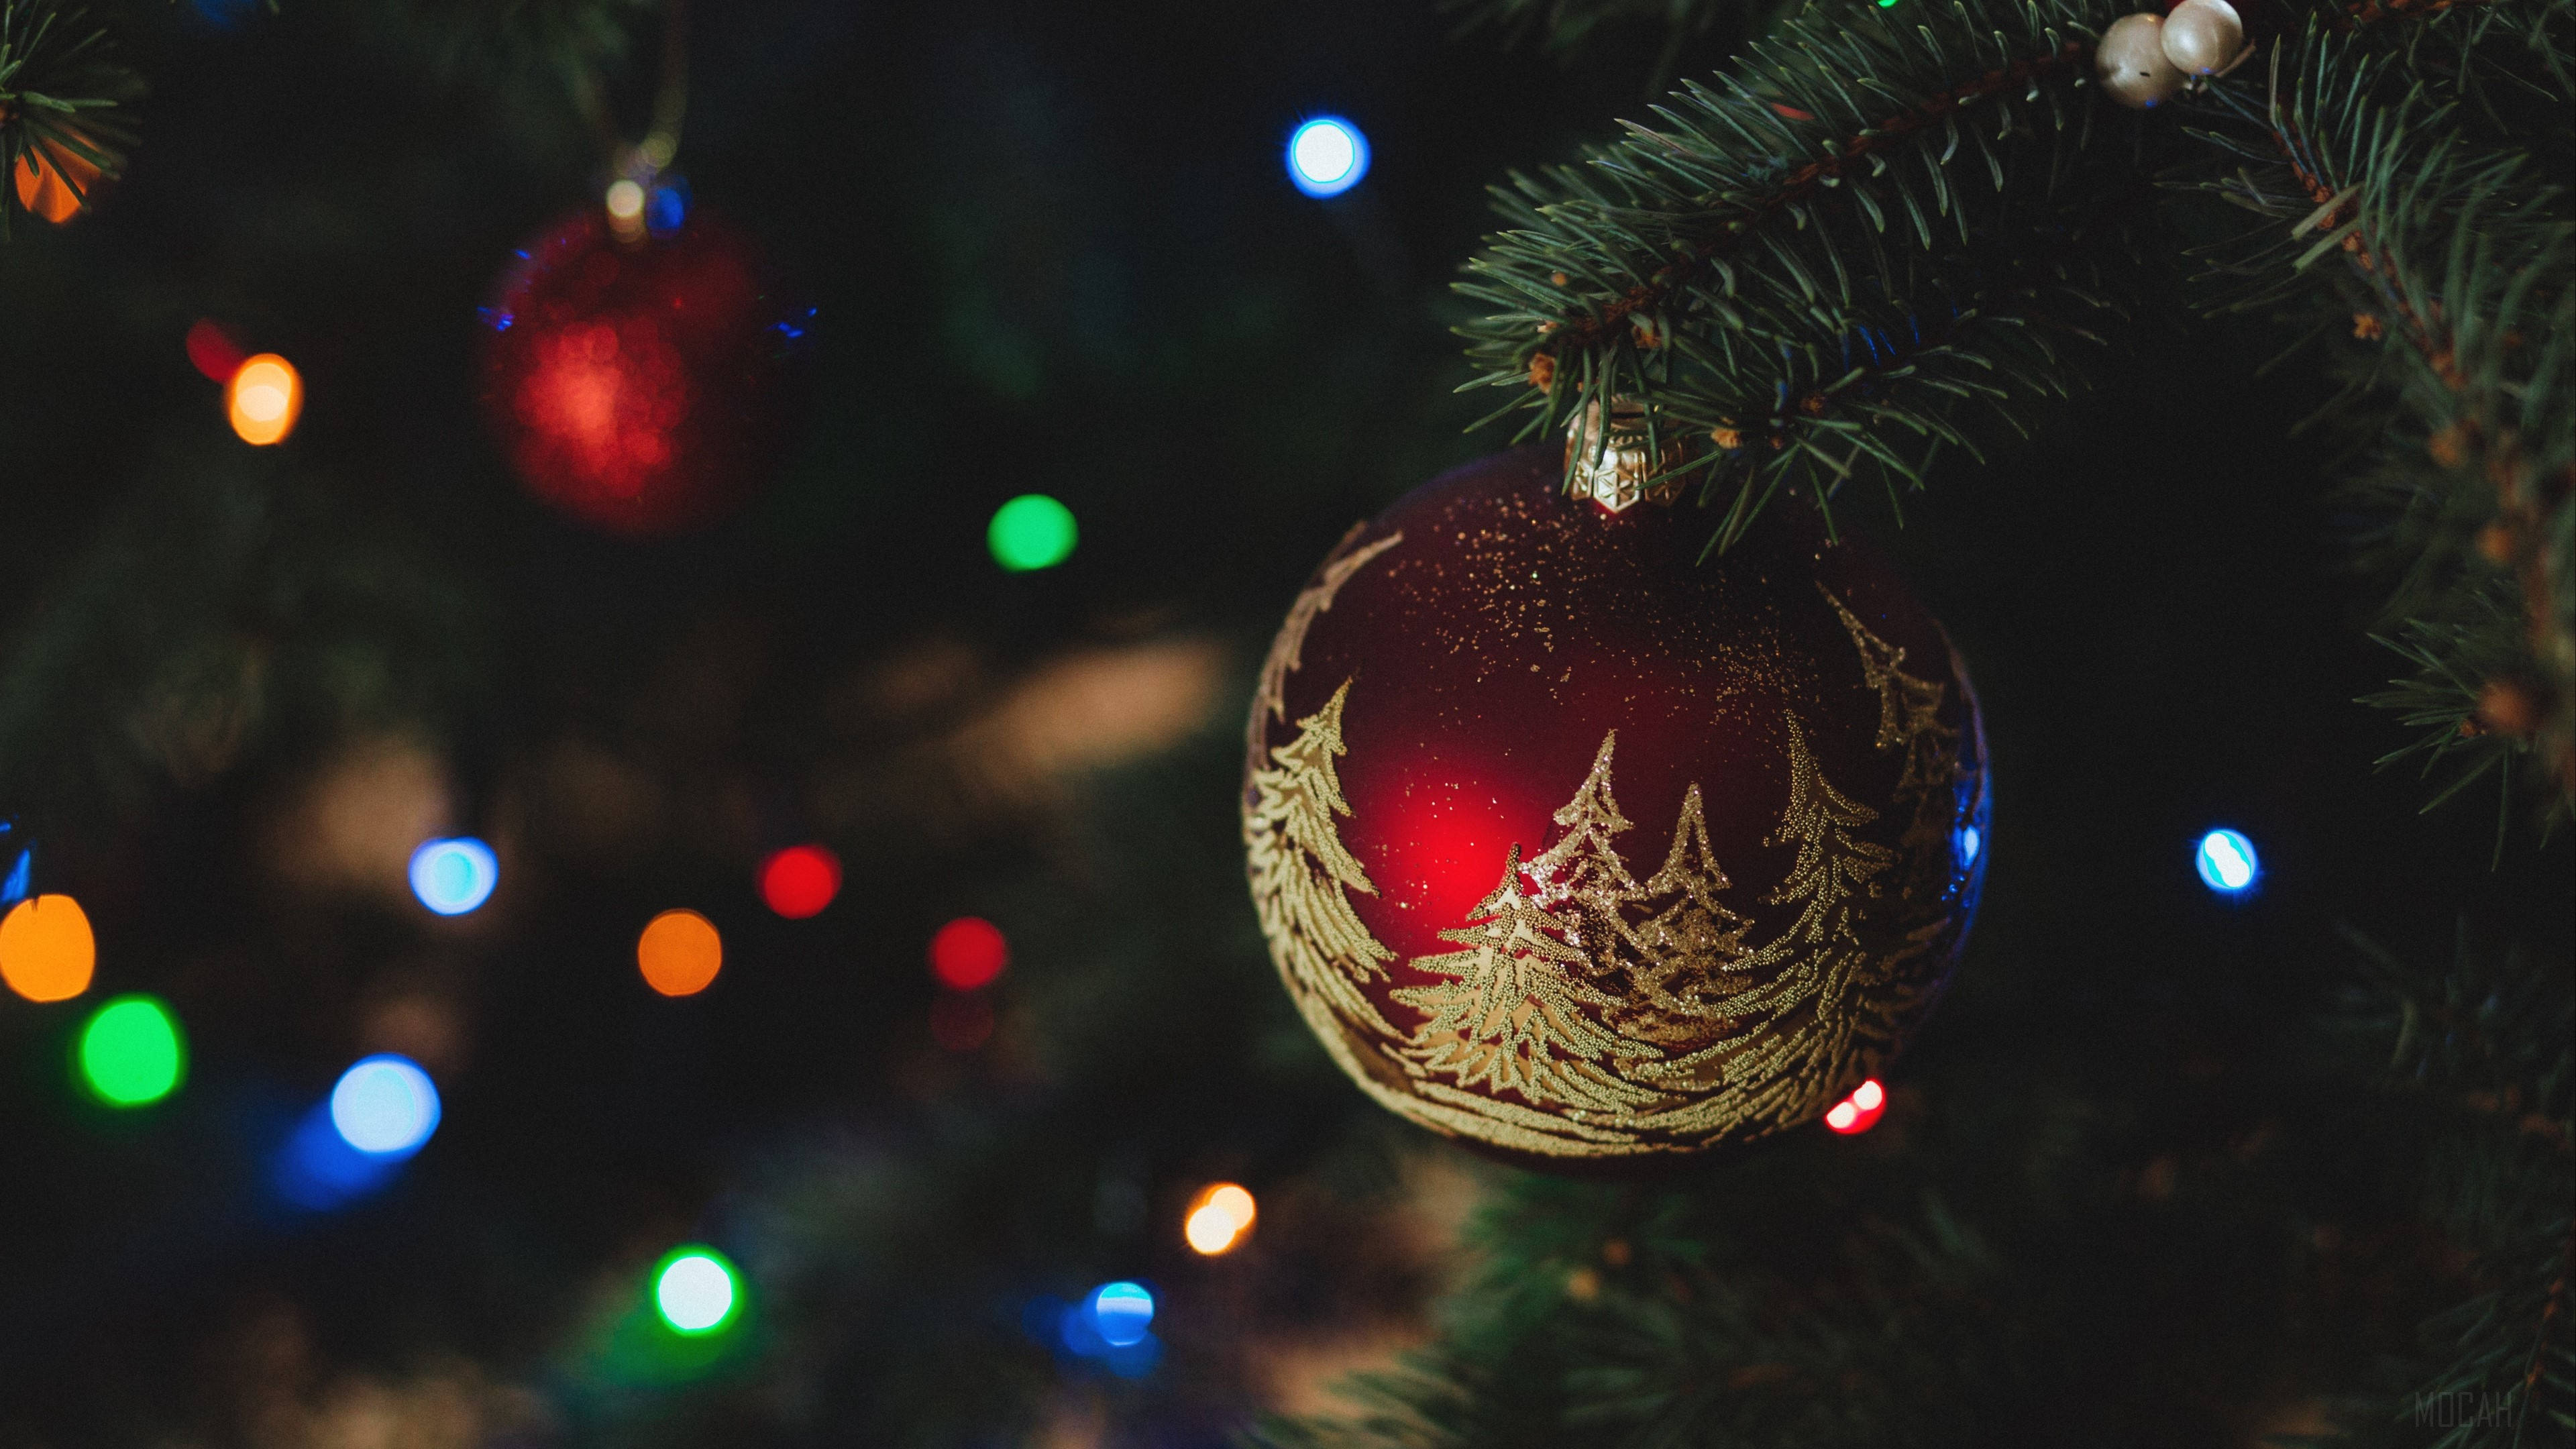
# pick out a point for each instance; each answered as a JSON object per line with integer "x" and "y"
{"x": 643, "y": 386}
{"x": 1587, "y": 851}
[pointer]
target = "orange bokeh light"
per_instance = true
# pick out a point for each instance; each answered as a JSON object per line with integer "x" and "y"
{"x": 46, "y": 950}
{"x": 679, "y": 953}
{"x": 264, "y": 399}
{"x": 1219, "y": 1219}
{"x": 46, "y": 173}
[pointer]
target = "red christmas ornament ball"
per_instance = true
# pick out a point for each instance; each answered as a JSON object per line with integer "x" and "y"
{"x": 641, "y": 385}
{"x": 1586, "y": 851}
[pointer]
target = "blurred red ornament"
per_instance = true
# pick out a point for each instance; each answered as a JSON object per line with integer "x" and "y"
{"x": 1587, "y": 851}
{"x": 968, "y": 952}
{"x": 643, "y": 386}
{"x": 800, "y": 881}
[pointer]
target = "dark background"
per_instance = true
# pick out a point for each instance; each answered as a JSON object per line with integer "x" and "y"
{"x": 1052, "y": 249}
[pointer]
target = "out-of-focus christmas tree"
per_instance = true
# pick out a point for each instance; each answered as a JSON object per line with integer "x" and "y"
{"x": 631, "y": 839}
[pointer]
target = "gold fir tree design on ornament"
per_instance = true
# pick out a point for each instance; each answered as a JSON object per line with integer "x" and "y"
{"x": 1834, "y": 1002}
{"x": 1665, "y": 942}
{"x": 1300, "y": 871}
{"x": 1909, "y": 719}
{"x": 1514, "y": 1018}
{"x": 1583, "y": 992}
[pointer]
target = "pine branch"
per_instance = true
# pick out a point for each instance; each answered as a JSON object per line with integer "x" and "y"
{"x": 2404, "y": 174}
{"x": 2491, "y": 1039}
{"x": 63, "y": 103}
{"x": 2453, "y": 700}
{"x": 1818, "y": 267}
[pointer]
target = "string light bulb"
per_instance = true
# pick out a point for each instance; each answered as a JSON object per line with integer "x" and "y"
{"x": 1860, "y": 1111}
{"x": 1120, "y": 1312}
{"x": 2227, "y": 862}
{"x": 968, "y": 953}
{"x": 1219, "y": 1219}
{"x": 46, "y": 950}
{"x": 131, "y": 1053}
{"x": 696, "y": 1290}
{"x": 800, "y": 881}
{"x": 1327, "y": 156}
{"x": 454, "y": 876}
{"x": 385, "y": 1106}
{"x": 679, "y": 953}
{"x": 264, "y": 398}
{"x": 1031, "y": 532}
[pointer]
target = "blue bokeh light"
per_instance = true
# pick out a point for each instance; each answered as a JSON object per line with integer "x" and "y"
{"x": 666, "y": 210}
{"x": 1080, "y": 1331}
{"x": 385, "y": 1106}
{"x": 318, "y": 1170}
{"x": 2227, "y": 862}
{"x": 225, "y": 14}
{"x": 454, "y": 876}
{"x": 1327, "y": 156}
{"x": 1120, "y": 1312}
{"x": 1971, "y": 840}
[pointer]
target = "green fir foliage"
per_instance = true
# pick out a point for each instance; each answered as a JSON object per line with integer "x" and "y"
{"x": 1824, "y": 265}
{"x": 2478, "y": 1063}
{"x": 1881, "y": 233}
{"x": 2411, "y": 177}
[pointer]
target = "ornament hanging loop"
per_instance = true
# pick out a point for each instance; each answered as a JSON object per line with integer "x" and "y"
{"x": 1618, "y": 467}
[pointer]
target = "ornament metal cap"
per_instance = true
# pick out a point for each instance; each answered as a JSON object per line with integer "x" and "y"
{"x": 1614, "y": 469}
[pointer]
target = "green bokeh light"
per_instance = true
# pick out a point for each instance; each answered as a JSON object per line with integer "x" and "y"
{"x": 131, "y": 1053}
{"x": 1031, "y": 531}
{"x": 696, "y": 1290}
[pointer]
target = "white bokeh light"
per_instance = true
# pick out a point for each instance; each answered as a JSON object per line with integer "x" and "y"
{"x": 385, "y": 1105}
{"x": 1327, "y": 156}
{"x": 2226, "y": 861}
{"x": 695, "y": 1292}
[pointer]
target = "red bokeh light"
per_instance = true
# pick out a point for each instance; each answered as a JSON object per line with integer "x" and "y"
{"x": 800, "y": 881}
{"x": 1444, "y": 846}
{"x": 212, "y": 351}
{"x": 968, "y": 952}
{"x": 961, "y": 1021}
{"x": 1860, "y": 1111}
